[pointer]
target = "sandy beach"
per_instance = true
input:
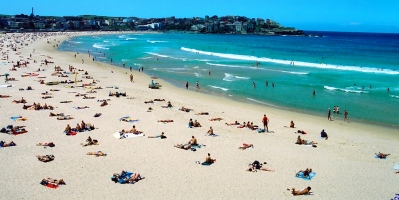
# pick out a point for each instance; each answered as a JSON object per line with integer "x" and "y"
{"x": 345, "y": 164}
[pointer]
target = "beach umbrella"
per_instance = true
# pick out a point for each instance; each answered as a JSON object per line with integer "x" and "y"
{"x": 6, "y": 74}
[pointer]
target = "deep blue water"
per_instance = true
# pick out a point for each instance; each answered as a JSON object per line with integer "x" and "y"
{"x": 340, "y": 67}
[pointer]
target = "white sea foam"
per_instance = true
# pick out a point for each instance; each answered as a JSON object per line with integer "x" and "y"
{"x": 121, "y": 36}
{"x": 75, "y": 42}
{"x": 256, "y": 68}
{"x": 98, "y": 46}
{"x": 288, "y": 62}
{"x": 349, "y": 89}
{"x": 159, "y": 55}
{"x": 145, "y": 58}
{"x": 394, "y": 96}
{"x": 156, "y": 41}
{"x": 105, "y": 41}
{"x": 261, "y": 102}
{"x": 197, "y": 74}
{"x": 131, "y": 39}
{"x": 228, "y": 77}
{"x": 124, "y": 60}
{"x": 196, "y": 67}
{"x": 242, "y": 77}
{"x": 216, "y": 87}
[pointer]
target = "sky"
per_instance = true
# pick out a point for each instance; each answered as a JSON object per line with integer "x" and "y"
{"x": 319, "y": 15}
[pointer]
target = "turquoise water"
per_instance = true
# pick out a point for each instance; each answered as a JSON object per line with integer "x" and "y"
{"x": 337, "y": 66}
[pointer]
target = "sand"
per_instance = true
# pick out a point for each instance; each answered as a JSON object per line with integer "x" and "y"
{"x": 345, "y": 165}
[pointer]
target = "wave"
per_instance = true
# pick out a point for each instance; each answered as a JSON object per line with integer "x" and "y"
{"x": 297, "y": 63}
{"x": 145, "y": 58}
{"x": 156, "y": 41}
{"x": 256, "y": 68}
{"x": 231, "y": 77}
{"x": 124, "y": 60}
{"x": 349, "y": 89}
{"x": 98, "y": 46}
{"x": 131, "y": 39}
{"x": 105, "y": 41}
{"x": 159, "y": 55}
{"x": 121, "y": 36}
{"x": 216, "y": 87}
{"x": 261, "y": 102}
{"x": 197, "y": 74}
{"x": 394, "y": 96}
{"x": 75, "y": 42}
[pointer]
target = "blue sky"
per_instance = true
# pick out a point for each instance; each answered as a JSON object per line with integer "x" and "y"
{"x": 327, "y": 15}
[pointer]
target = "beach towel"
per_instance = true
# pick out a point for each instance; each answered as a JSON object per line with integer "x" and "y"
{"x": 126, "y": 135}
{"x": 128, "y": 119}
{"x": 6, "y": 86}
{"x": 16, "y": 117}
{"x": 206, "y": 163}
{"x": 311, "y": 175}
{"x": 395, "y": 167}
{"x": 18, "y": 132}
{"x": 214, "y": 135}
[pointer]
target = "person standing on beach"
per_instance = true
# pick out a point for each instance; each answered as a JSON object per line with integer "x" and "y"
{"x": 265, "y": 121}
{"x": 130, "y": 68}
{"x": 131, "y": 77}
{"x": 329, "y": 114}
{"x": 142, "y": 69}
{"x": 187, "y": 85}
{"x": 346, "y": 115}
{"x": 197, "y": 86}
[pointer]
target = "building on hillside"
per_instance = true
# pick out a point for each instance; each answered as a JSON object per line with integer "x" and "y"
{"x": 238, "y": 26}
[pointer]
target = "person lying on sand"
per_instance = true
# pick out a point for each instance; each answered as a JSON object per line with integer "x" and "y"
{"x": 252, "y": 126}
{"x": 104, "y": 103}
{"x": 82, "y": 107}
{"x": 65, "y": 101}
{"x": 54, "y": 90}
{"x": 292, "y": 125}
{"x": 202, "y": 113}
{"x": 183, "y": 146}
{"x": 66, "y": 117}
{"x": 159, "y": 99}
{"x": 301, "y": 131}
{"x": 133, "y": 130}
{"x": 10, "y": 144}
{"x": 134, "y": 178}
{"x": 166, "y": 120}
{"x": 162, "y": 136}
{"x": 185, "y": 109}
{"x": 102, "y": 100}
{"x": 78, "y": 95}
{"x": 5, "y": 96}
{"x": 46, "y": 158}
{"x": 97, "y": 154}
{"x": 242, "y": 126}
{"x": 305, "y": 191}
{"x": 97, "y": 115}
{"x": 45, "y": 181}
{"x": 305, "y": 172}
{"x": 246, "y": 146}
{"x": 382, "y": 155}
{"x": 20, "y": 101}
{"x": 193, "y": 141}
{"x": 216, "y": 119}
{"x": 233, "y": 123}
{"x": 304, "y": 142}
{"x": 86, "y": 97}
{"x": 210, "y": 131}
{"x": 56, "y": 114}
{"x": 254, "y": 168}
{"x": 150, "y": 101}
{"x": 46, "y": 144}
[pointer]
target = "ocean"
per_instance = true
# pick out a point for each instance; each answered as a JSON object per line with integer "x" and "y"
{"x": 349, "y": 70}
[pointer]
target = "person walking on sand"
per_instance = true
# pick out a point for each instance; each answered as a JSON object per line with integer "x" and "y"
{"x": 187, "y": 85}
{"x": 197, "y": 86}
{"x": 329, "y": 114}
{"x": 265, "y": 121}
{"x": 346, "y": 116}
{"x": 131, "y": 77}
{"x": 130, "y": 68}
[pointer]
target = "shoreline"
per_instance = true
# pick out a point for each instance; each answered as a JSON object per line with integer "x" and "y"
{"x": 253, "y": 101}
{"x": 347, "y": 155}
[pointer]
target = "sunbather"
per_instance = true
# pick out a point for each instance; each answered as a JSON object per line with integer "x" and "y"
{"x": 210, "y": 131}
{"x": 242, "y": 126}
{"x": 162, "y": 136}
{"x": 382, "y": 155}
{"x": 169, "y": 105}
{"x": 104, "y": 103}
{"x": 67, "y": 117}
{"x": 323, "y": 134}
{"x": 183, "y": 146}
{"x": 252, "y": 168}
{"x": 97, "y": 115}
{"x": 193, "y": 141}
{"x": 301, "y": 131}
{"x": 82, "y": 107}
{"x": 97, "y": 154}
{"x": 305, "y": 172}
{"x": 56, "y": 114}
{"x": 185, "y": 109}
{"x": 68, "y": 129}
{"x": 292, "y": 125}
{"x": 305, "y": 191}
{"x": 86, "y": 97}
{"x": 150, "y": 101}
{"x": 233, "y": 123}
{"x": 196, "y": 124}
{"x": 53, "y": 181}
{"x": 216, "y": 119}
{"x": 10, "y": 144}
{"x": 202, "y": 113}
{"x": 46, "y": 144}
{"x": 134, "y": 178}
{"x": 134, "y": 131}
{"x": 166, "y": 120}
{"x": 90, "y": 142}
{"x": 4, "y": 96}
{"x": 46, "y": 158}
{"x": 246, "y": 146}
{"x": 209, "y": 160}
{"x": 65, "y": 101}
{"x": 159, "y": 99}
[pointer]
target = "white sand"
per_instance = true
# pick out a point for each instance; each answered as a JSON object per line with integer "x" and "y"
{"x": 344, "y": 164}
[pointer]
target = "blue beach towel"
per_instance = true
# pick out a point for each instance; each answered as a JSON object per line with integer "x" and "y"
{"x": 15, "y": 117}
{"x": 206, "y": 164}
{"x": 214, "y": 135}
{"x": 311, "y": 175}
